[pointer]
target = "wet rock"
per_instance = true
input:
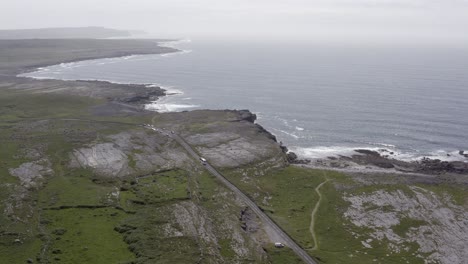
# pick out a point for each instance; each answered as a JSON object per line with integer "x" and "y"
{"x": 367, "y": 152}
{"x": 143, "y": 97}
{"x": 463, "y": 153}
{"x": 283, "y": 148}
{"x": 292, "y": 157}
{"x": 438, "y": 166}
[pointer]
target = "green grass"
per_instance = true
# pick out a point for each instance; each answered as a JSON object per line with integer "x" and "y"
{"x": 144, "y": 234}
{"x": 89, "y": 236}
{"x": 456, "y": 194}
{"x": 16, "y": 106}
{"x": 18, "y": 252}
{"x": 33, "y": 122}
{"x": 208, "y": 187}
{"x": 226, "y": 249}
{"x": 74, "y": 189}
{"x": 282, "y": 255}
{"x": 163, "y": 187}
{"x": 405, "y": 225}
{"x": 292, "y": 199}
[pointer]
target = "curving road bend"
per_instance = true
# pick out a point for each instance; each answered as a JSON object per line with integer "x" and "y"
{"x": 286, "y": 240}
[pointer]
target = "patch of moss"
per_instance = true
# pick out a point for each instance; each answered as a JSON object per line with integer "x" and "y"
{"x": 281, "y": 255}
{"x": 405, "y": 224}
{"x": 90, "y": 236}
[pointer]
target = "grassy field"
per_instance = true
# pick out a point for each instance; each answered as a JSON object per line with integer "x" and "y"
{"x": 288, "y": 196}
{"x": 33, "y": 127}
{"x": 85, "y": 235}
{"x": 74, "y": 214}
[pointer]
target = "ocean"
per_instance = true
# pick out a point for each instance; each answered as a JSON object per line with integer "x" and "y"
{"x": 318, "y": 99}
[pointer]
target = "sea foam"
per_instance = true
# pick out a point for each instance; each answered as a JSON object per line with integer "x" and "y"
{"x": 322, "y": 152}
{"x": 168, "y": 107}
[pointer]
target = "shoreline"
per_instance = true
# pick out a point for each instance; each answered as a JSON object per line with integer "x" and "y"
{"x": 127, "y": 95}
{"x": 368, "y": 161}
{"x": 119, "y": 54}
{"x": 139, "y": 96}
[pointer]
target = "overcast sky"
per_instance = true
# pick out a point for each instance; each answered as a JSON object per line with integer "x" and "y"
{"x": 353, "y": 20}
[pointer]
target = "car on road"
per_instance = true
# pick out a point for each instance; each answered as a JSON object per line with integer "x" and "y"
{"x": 279, "y": 245}
{"x": 203, "y": 160}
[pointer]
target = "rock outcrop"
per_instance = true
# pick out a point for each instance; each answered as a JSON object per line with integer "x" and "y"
{"x": 30, "y": 173}
{"x": 433, "y": 222}
{"x": 247, "y": 116}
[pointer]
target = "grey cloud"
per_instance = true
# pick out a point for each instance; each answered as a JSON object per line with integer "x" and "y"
{"x": 439, "y": 20}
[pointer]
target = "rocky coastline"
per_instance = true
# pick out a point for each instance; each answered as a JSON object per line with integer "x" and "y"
{"x": 371, "y": 160}
{"x": 132, "y": 98}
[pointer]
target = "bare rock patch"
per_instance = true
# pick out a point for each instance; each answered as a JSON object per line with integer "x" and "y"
{"x": 433, "y": 222}
{"x": 31, "y": 173}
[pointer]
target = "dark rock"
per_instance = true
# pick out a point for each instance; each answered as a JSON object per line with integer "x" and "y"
{"x": 367, "y": 152}
{"x": 247, "y": 116}
{"x": 463, "y": 153}
{"x": 384, "y": 164}
{"x": 292, "y": 157}
{"x": 283, "y": 148}
{"x": 266, "y": 132}
{"x": 124, "y": 228}
{"x": 438, "y": 166}
{"x": 143, "y": 97}
{"x": 248, "y": 222}
{"x": 59, "y": 231}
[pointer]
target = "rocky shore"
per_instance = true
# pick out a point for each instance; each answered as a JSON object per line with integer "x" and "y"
{"x": 131, "y": 98}
{"x": 372, "y": 160}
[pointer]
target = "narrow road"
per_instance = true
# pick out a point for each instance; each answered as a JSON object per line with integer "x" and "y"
{"x": 317, "y": 206}
{"x": 286, "y": 240}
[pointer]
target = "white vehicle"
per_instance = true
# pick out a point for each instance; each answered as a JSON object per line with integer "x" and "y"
{"x": 203, "y": 159}
{"x": 279, "y": 245}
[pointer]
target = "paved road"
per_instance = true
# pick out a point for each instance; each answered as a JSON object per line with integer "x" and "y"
{"x": 265, "y": 219}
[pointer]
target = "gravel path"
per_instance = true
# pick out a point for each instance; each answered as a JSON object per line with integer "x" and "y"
{"x": 317, "y": 206}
